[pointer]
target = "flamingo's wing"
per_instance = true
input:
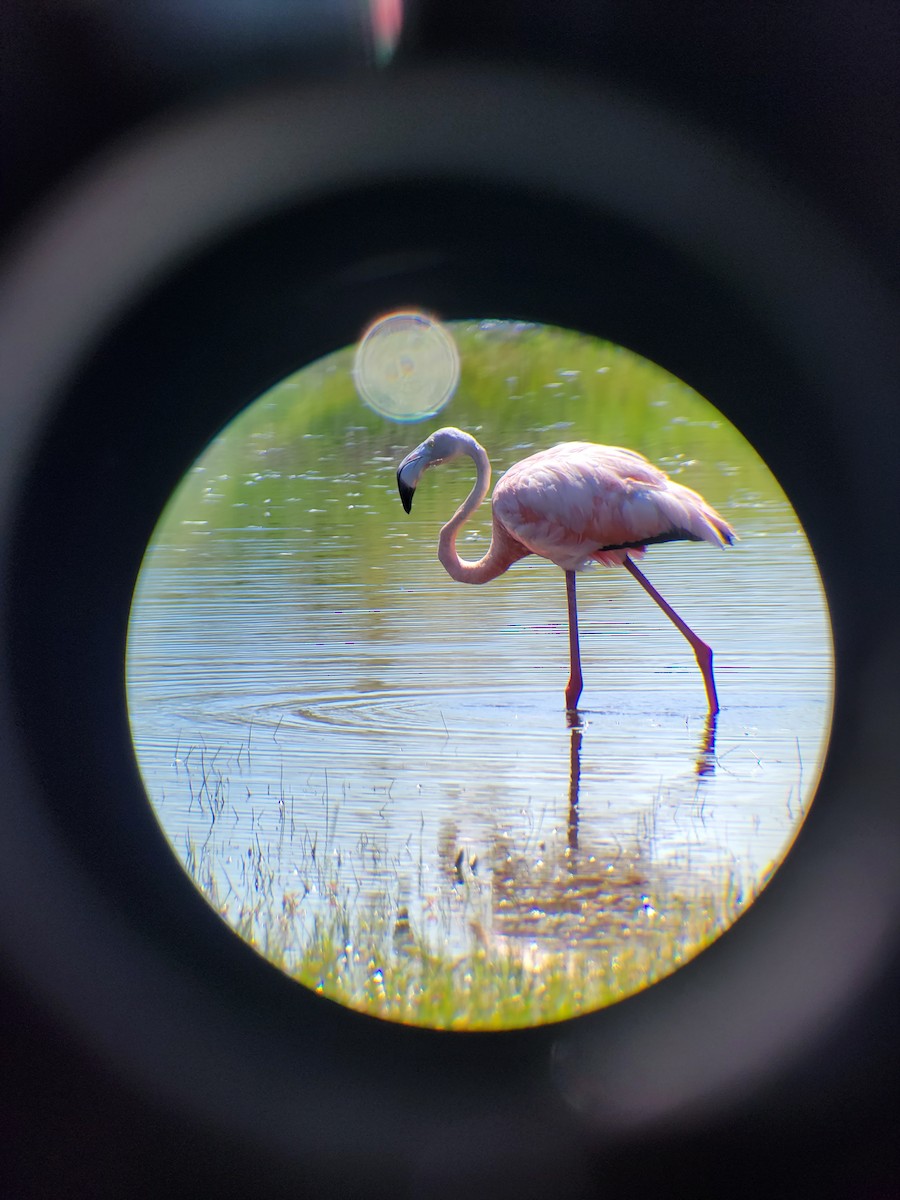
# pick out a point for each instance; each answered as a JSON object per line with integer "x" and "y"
{"x": 580, "y": 501}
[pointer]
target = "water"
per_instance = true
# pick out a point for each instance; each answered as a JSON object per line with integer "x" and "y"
{"x": 319, "y": 711}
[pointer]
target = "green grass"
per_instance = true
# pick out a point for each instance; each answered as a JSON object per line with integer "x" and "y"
{"x": 370, "y": 956}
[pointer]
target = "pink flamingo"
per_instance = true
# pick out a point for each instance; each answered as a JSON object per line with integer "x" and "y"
{"x": 573, "y": 503}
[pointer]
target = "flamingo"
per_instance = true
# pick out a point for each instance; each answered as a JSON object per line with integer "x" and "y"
{"x": 572, "y": 504}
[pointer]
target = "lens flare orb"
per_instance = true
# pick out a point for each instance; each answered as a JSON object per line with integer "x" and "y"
{"x": 406, "y": 366}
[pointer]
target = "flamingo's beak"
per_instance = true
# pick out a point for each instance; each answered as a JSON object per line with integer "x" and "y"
{"x": 441, "y": 447}
{"x": 409, "y": 473}
{"x": 407, "y": 491}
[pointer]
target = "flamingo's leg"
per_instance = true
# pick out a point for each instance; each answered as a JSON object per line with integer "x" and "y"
{"x": 574, "y": 721}
{"x": 574, "y": 686}
{"x": 701, "y": 650}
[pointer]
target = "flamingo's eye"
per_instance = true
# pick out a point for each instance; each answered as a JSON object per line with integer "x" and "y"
{"x": 368, "y": 770}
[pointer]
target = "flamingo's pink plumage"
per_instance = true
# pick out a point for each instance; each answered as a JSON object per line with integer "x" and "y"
{"x": 579, "y": 501}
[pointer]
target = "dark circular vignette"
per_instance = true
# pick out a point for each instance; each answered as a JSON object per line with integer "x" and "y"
{"x": 193, "y": 338}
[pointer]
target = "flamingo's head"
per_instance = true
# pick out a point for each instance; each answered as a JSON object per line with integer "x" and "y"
{"x": 443, "y": 445}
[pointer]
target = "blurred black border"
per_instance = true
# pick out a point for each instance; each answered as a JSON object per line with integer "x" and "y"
{"x": 814, "y": 94}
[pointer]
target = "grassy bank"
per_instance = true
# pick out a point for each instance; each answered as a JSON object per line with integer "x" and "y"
{"x": 368, "y": 954}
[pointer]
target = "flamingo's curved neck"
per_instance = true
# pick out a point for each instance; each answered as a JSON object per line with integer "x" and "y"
{"x": 503, "y": 550}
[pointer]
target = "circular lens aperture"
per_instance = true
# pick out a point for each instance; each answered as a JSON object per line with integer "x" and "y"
{"x": 369, "y": 769}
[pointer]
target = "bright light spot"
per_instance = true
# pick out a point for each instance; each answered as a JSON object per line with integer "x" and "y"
{"x": 386, "y": 18}
{"x": 406, "y": 367}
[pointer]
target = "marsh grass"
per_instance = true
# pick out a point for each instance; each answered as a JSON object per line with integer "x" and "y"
{"x": 367, "y": 953}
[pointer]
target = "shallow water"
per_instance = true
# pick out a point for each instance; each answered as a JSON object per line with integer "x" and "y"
{"x": 312, "y": 695}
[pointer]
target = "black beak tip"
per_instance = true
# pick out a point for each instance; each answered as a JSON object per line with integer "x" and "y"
{"x": 406, "y": 494}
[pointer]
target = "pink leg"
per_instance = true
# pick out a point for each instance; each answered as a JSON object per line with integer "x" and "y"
{"x": 574, "y": 686}
{"x": 701, "y": 650}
